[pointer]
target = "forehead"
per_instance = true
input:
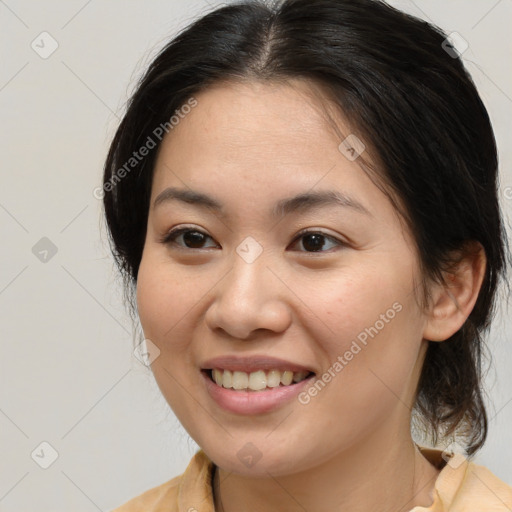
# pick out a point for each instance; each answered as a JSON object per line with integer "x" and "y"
{"x": 257, "y": 124}
{"x": 251, "y": 116}
{"x": 257, "y": 143}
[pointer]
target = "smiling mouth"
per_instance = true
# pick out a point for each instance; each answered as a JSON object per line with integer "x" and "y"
{"x": 259, "y": 380}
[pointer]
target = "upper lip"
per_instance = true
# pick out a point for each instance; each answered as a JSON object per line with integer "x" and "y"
{"x": 250, "y": 364}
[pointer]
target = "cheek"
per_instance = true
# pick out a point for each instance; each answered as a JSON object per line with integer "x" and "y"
{"x": 357, "y": 306}
{"x": 374, "y": 336}
{"x": 163, "y": 300}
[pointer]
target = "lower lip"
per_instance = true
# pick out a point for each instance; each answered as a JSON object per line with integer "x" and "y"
{"x": 253, "y": 402}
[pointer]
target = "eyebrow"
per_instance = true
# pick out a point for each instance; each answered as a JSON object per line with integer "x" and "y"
{"x": 300, "y": 203}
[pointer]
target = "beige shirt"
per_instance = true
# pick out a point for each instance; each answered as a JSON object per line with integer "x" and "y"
{"x": 462, "y": 486}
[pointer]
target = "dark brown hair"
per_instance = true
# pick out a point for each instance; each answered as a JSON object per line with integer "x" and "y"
{"x": 408, "y": 95}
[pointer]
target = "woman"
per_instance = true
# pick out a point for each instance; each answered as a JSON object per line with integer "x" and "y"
{"x": 302, "y": 200}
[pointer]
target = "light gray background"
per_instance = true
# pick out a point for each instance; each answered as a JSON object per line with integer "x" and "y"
{"x": 68, "y": 374}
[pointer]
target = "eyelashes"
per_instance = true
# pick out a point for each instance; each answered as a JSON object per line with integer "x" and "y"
{"x": 170, "y": 238}
{"x": 310, "y": 238}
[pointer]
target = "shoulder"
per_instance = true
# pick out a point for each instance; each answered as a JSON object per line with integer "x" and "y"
{"x": 483, "y": 490}
{"x": 465, "y": 486}
{"x": 190, "y": 490}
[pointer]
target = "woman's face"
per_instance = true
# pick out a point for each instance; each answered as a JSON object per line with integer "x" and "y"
{"x": 243, "y": 282}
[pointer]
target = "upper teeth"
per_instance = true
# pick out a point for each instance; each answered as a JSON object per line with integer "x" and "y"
{"x": 256, "y": 380}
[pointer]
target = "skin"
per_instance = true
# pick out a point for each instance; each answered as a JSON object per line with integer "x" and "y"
{"x": 350, "y": 448}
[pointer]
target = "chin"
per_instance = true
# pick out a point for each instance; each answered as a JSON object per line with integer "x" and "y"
{"x": 256, "y": 460}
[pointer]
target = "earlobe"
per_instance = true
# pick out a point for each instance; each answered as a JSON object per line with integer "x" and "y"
{"x": 453, "y": 300}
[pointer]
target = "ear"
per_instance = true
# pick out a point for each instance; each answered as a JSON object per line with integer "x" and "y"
{"x": 453, "y": 300}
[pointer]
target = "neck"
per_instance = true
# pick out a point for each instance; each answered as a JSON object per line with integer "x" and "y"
{"x": 388, "y": 477}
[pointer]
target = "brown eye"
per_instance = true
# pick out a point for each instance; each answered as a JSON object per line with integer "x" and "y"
{"x": 315, "y": 241}
{"x": 188, "y": 238}
{"x": 191, "y": 238}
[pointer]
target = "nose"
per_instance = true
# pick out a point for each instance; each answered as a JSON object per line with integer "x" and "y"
{"x": 250, "y": 298}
